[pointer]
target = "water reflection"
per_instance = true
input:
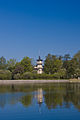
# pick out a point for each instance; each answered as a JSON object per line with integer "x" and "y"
{"x": 39, "y": 96}
{"x": 53, "y": 95}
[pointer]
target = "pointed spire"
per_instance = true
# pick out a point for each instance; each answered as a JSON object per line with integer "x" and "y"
{"x": 39, "y": 59}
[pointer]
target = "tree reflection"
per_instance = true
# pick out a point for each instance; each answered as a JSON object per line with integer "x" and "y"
{"x": 26, "y": 100}
{"x": 63, "y": 95}
{"x": 54, "y": 95}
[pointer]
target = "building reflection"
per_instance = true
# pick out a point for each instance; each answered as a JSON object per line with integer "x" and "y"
{"x": 39, "y": 97}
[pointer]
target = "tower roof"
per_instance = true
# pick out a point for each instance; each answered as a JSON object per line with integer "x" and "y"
{"x": 39, "y": 59}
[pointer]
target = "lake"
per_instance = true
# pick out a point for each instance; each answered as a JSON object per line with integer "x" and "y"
{"x": 54, "y": 101}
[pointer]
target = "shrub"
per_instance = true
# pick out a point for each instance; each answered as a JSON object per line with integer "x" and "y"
{"x": 28, "y": 75}
{"x": 60, "y": 74}
{"x": 5, "y": 75}
{"x": 17, "y": 76}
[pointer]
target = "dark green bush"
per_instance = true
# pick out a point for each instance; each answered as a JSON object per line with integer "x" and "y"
{"x": 17, "y": 76}
{"x": 5, "y": 75}
{"x": 29, "y": 75}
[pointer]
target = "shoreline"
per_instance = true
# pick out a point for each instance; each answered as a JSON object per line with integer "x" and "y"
{"x": 10, "y": 82}
{"x": 6, "y": 82}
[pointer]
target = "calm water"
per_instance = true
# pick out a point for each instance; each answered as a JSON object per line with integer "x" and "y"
{"x": 40, "y": 102}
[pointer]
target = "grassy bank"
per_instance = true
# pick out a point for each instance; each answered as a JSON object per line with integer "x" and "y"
{"x": 74, "y": 80}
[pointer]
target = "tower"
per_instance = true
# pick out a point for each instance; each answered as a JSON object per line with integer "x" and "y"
{"x": 39, "y": 66}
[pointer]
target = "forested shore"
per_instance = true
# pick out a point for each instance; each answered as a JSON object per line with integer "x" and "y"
{"x": 54, "y": 67}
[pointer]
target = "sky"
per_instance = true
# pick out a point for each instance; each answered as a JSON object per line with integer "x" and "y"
{"x": 38, "y": 27}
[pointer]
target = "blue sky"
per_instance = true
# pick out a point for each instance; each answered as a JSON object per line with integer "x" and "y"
{"x": 33, "y": 27}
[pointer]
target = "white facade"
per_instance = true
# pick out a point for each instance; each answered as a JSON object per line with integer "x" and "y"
{"x": 39, "y": 71}
{"x": 39, "y": 66}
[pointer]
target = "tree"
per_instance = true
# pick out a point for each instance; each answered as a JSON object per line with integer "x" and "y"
{"x": 57, "y": 65}
{"x": 11, "y": 64}
{"x": 70, "y": 67}
{"x": 48, "y": 64}
{"x": 77, "y": 59}
{"x": 26, "y": 63}
{"x": 18, "y": 69}
{"x": 3, "y": 64}
{"x": 52, "y": 64}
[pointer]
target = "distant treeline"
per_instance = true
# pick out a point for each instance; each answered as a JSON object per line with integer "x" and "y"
{"x": 55, "y": 67}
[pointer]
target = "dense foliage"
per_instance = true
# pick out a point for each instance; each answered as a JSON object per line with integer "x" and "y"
{"x": 55, "y": 67}
{"x": 63, "y": 67}
{"x": 5, "y": 75}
